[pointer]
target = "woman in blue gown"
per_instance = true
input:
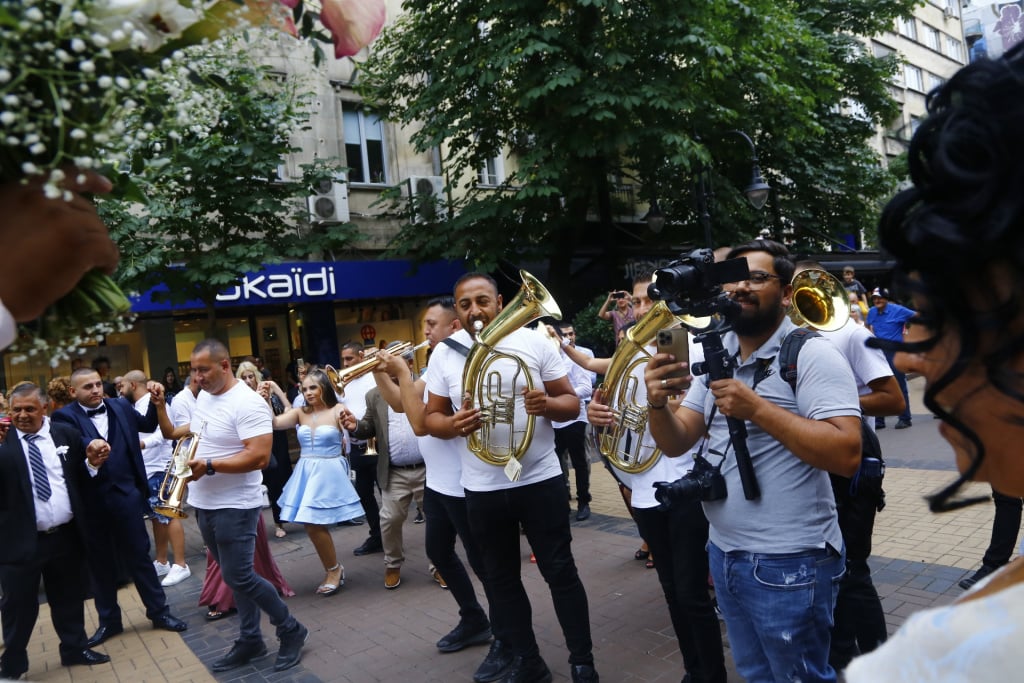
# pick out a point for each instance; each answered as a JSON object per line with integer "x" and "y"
{"x": 319, "y": 493}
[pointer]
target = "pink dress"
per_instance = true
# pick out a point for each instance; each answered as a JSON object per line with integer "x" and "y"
{"x": 220, "y": 597}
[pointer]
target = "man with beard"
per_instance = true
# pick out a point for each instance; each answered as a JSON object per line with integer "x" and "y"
{"x": 777, "y": 559}
{"x": 529, "y": 493}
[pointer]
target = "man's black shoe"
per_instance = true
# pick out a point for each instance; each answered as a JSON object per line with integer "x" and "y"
{"x": 240, "y": 654}
{"x": 358, "y": 521}
{"x": 532, "y": 670}
{"x": 369, "y": 546}
{"x": 584, "y": 673}
{"x": 6, "y": 675}
{"x": 903, "y": 424}
{"x": 169, "y": 623}
{"x": 977, "y": 576}
{"x": 462, "y": 637}
{"x": 103, "y": 633}
{"x": 583, "y": 513}
{"x": 87, "y": 657}
{"x": 290, "y": 652}
{"x": 495, "y": 665}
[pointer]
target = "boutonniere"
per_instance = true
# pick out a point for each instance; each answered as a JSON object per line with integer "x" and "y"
{"x": 62, "y": 453}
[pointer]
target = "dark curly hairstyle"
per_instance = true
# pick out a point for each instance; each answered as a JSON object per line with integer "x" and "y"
{"x": 963, "y": 217}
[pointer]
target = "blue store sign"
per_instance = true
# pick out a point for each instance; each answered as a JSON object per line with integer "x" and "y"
{"x": 305, "y": 281}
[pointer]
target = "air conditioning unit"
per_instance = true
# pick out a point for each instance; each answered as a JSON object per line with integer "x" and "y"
{"x": 950, "y": 12}
{"x": 330, "y": 202}
{"x": 426, "y": 198}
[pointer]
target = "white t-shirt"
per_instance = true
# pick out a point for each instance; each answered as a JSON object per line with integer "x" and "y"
{"x": 444, "y": 463}
{"x": 867, "y": 364}
{"x": 156, "y": 450}
{"x": 444, "y": 378}
{"x": 355, "y": 396}
{"x": 223, "y": 422}
{"x": 180, "y": 409}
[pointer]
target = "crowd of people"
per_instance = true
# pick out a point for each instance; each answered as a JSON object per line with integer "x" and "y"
{"x": 767, "y": 484}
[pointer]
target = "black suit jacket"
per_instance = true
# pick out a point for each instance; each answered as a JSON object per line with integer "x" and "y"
{"x": 124, "y": 468}
{"x": 17, "y": 504}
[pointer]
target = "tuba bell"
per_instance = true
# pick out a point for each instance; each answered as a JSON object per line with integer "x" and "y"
{"x": 819, "y": 301}
{"x": 175, "y": 484}
{"x": 634, "y": 455}
{"x": 498, "y": 439}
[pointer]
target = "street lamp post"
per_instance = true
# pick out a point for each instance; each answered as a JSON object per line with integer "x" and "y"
{"x": 756, "y": 192}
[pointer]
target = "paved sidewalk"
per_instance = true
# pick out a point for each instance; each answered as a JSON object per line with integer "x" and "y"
{"x": 367, "y": 634}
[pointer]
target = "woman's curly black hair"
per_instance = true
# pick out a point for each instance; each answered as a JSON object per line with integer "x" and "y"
{"x": 963, "y": 216}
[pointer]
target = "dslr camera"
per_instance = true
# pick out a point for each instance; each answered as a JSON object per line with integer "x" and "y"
{"x": 693, "y": 283}
{"x": 704, "y": 482}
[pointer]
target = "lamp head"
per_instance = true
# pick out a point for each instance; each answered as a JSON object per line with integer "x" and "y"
{"x": 758, "y": 190}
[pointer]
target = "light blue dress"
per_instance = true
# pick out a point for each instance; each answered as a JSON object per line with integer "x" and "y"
{"x": 319, "y": 490}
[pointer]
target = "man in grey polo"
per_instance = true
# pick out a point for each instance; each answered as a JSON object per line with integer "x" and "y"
{"x": 776, "y": 560}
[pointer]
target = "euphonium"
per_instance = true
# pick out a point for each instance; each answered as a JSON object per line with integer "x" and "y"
{"x": 175, "y": 484}
{"x": 341, "y": 378}
{"x": 619, "y": 388}
{"x": 485, "y": 386}
{"x": 819, "y": 301}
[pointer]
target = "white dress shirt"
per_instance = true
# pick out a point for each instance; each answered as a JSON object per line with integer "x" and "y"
{"x": 56, "y": 510}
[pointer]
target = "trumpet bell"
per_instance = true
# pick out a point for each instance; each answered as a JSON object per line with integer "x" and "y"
{"x": 819, "y": 301}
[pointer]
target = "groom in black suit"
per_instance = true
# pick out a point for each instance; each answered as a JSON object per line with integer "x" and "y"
{"x": 119, "y": 498}
{"x": 42, "y": 521}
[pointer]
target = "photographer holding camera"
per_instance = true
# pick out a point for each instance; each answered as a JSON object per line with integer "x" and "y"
{"x": 622, "y": 315}
{"x": 776, "y": 557}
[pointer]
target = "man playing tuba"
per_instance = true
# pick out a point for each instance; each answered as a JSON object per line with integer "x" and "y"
{"x": 528, "y": 491}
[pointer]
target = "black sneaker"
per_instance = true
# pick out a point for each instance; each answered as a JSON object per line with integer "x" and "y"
{"x": 532, "y": 670}
{"x": 977, "y": 576}
{"x": 418, "y": 519}
{"x": 290, "y": 652}
{"x": 903, "y": 424}
{"x": 584, "y": 673}
{"x": 495, "y": 665}
{"x": 462, "y": 637}
{"x": 240, "y": 654}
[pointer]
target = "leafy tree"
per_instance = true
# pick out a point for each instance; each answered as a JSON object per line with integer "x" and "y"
{"x": 585, "y": 92}
{"x": 209, "y": 206}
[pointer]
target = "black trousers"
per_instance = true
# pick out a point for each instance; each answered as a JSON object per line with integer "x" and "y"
{"x": 678, "y": 539}
{"x": 447, "y": 519}
{"x": 859, "y": 621}
{"x": 573, "y": 439}
{"x": 277, "y": 475}
{"x": 1005, "y": 527}
{"x": 365, "y": 468}
{"x": 542, "y": 511}
{"x": 58, "y": 562}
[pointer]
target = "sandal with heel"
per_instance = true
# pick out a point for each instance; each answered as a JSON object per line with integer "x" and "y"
{"x": 325, "y": 589}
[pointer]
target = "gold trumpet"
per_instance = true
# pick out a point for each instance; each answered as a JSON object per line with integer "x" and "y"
{"x": 342, "y": 378}
{"x": 175, "y": 484}
{"x": 620, "y": 391}
{"x": 819, "y": 301}
{"x": 498, "y": 439}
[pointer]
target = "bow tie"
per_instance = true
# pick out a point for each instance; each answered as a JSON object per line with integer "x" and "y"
{"x": 98, "y": 411}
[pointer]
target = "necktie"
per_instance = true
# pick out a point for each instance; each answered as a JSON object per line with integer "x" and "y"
{"x": 98, "y": 411}
{"x": 41, "y": 482}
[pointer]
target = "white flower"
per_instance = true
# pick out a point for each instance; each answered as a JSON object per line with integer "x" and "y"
{"x": 62, "y": 450}
{"x": 5, "y": 75}
{"x": 7, "y": 118}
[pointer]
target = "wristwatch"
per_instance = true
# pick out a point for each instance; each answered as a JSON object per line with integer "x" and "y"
{"x": 209, "y": 467}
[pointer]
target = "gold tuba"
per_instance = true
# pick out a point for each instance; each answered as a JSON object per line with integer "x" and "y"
{"x": 485, "y": 386}
{"x": 819, "y": 301}
{"x": 341, "y": 378}
{"x": 620, "y": 388}
{"x": 175, "y": 484}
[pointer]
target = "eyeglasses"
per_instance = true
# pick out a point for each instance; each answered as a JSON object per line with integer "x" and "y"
{"x": 757, "y": 280}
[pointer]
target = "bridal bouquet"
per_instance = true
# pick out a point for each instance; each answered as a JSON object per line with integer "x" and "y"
{"x": 71, "y": 72}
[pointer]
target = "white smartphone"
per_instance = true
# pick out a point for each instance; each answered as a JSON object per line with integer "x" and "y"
{"x": 675, "y": 341}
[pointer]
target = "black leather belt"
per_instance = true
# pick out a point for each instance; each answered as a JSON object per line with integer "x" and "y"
{"x": 408, "y": 467}
{"x": 55, "y": 529}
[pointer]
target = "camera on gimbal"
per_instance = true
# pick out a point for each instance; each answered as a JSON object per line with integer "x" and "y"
{"x": 704, "y": 482}
{"x": 692, "y": 284}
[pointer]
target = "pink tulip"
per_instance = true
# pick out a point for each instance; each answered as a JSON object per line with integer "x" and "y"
{"x": 353, "y": 23}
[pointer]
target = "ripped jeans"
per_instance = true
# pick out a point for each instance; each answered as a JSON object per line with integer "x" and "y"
{"x": 778, "y": 611}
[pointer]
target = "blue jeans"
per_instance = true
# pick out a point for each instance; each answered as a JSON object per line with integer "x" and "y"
{"x": 230, "y": 535}
{"x": 778, "y": 611}
{"x": 542, "y": 510}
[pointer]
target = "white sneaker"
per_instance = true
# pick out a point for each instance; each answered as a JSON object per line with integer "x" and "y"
{"x": 176, "y": 575}
{"x": 162, "y": 568}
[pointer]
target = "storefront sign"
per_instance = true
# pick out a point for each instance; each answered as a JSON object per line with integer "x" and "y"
{"x": 284, "y": 283}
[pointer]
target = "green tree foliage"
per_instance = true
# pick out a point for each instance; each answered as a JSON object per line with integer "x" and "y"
{"x": 585, "y": 91}
{"x": 209, "y": 206}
